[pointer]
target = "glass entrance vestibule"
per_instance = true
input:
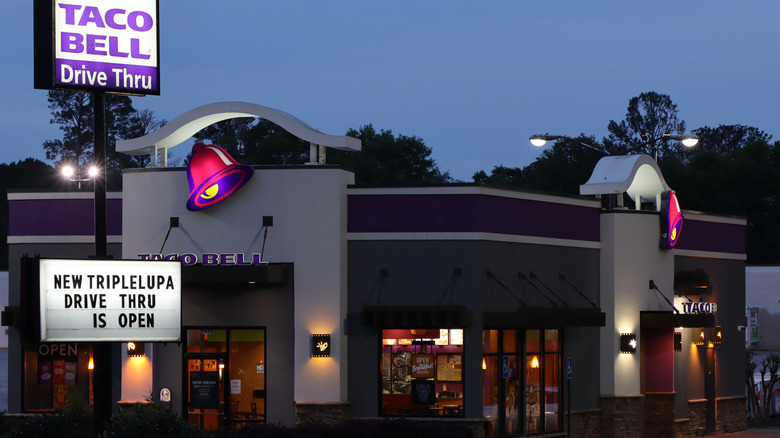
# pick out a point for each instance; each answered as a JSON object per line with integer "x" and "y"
{"x": 224, "y": 376}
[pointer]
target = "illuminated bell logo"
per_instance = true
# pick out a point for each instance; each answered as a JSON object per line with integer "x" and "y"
{"x": 213, "y": 175}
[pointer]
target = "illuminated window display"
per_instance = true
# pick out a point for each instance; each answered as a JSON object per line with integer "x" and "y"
{"x": 514, "y": 396}
{"x": 63, "y": 372}
{"x": 422, "y": 372}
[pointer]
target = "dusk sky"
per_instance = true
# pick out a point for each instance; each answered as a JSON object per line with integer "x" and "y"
{"x": 472, "y": 79}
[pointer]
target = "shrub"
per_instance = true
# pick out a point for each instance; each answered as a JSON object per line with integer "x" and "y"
{"x": 149, "y": 420}
{"x": 74, "y": 422}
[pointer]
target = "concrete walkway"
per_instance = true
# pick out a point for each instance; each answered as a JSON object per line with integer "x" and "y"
{"x": 752, "y": 433}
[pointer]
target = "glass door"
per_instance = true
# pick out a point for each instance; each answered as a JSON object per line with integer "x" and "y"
{"x": 206, "y": 391}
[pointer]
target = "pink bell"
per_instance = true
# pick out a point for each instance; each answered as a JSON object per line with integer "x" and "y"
{"x": 213, "y": 175}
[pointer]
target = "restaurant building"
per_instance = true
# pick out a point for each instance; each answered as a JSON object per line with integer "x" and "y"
{"x": 307, "y": 297}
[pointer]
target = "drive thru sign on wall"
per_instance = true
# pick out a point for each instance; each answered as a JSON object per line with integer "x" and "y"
{"x": 110, "y": 300}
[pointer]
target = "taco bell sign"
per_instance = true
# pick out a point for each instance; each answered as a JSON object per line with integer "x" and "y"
{"x": 97, "y": 45}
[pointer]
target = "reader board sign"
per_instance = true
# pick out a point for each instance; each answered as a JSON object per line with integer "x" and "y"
{"x": 97, "y": 45}
{"x": 110, "y": 300}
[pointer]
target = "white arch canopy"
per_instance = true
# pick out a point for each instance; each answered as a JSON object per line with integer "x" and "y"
{"x": 186, "y": 125}
{"x": 637, "y": 175}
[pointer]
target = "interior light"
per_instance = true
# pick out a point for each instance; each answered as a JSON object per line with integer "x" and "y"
{"x": 534, "y": 362}
{"x": 91, "y": 364}
{"x": 484, "y": 365}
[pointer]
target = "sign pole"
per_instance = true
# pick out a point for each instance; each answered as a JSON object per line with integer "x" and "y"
{"x": 101, "y": 350}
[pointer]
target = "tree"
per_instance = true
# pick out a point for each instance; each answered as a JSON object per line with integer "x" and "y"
{"x": 750, "y": 383}
{"x": 651, "y": 114}
{"x": 563, "y": 167}
{"x": 500, "y": 176}
{"x": 770, "y": 365}
{"x": 727, "y": 138}
{"x": 387, "y": 159}
{"x": 74, "y": 113}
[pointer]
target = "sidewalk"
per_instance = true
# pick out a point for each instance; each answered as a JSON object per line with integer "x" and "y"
{"x": 752, "y": 433}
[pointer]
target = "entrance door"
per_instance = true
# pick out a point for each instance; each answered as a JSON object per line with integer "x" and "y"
{"x": 206, "y": 391}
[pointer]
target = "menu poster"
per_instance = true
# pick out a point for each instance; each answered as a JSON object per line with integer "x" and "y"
{"x": 59, "y": 371}
{"x": 423, "y": 366}
{"x": 423, "y": 392}
{"x": 44, "y": 373}
{"x": 203, "y": 390}
{"x": 449, "y": 367}
{"x": 70, "y": 373}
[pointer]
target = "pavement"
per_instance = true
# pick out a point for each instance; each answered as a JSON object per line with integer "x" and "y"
{"x": 752, "y": 433}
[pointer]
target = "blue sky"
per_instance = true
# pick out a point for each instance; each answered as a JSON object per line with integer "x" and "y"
{"x": 472, "y": 79}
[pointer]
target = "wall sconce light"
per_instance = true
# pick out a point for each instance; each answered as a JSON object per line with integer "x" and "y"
{"x": 135, "y": 349}
{"x": 717, "y": 336}
{"x": 628, "y": 343}
{"x": 677, "y": 341}
{"x": 91, "y": 364}
{"x": 484, "y": 365}
{"x": 320, "y": 345}
{"x": 698, "y": 336}
{"x": 534, "y": 362}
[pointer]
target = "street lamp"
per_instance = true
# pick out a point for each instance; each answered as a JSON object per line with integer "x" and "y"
{"x": 70, "y": 174}
{"x": 689, "y": 141}
{"x": 539, "y": 140}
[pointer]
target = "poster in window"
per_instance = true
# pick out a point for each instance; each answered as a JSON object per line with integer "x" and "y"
{"x": 423, "y": 366}
{"x": 449, "y": 367}
{"x": 203, "y": 390}
{"x": 423, "y": 392}
{"x": 70, "y": 373}
{"x": 44, "y": 373}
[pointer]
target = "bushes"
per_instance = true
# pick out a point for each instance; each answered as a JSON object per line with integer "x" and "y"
{"x": 74, "y": 422}
{"x": 153, "y": 420}
{"x": 149, "y": 420}
{"x": 390, "y": 428}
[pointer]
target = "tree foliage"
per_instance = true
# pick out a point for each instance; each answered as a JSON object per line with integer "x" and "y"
{"x": 74, "y": 113}
{"x": 650, "y": 114}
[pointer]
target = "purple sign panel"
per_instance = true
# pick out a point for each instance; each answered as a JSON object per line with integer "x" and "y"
{"x": 109, "y": 45}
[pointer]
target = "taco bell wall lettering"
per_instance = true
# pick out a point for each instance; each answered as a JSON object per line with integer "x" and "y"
{"x": 209, "y": 259}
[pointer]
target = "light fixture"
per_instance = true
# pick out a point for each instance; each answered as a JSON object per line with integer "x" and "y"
{"x": 540, "y": 140}
{"x": 320, "y": 345}
{"x": 484, "y": 365}
{"x": 717, "y": 337}
{"x": 534, "y": 362}
{"x": 91, "y": 364}
{"x": 135, "y": 349}
{"x": 698, "y": 336}
{"x": 628, "y": 343}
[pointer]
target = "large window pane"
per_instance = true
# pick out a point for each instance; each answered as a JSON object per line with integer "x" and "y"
{"x": 512, "y": 397}
{"x": 551, "y": 341}
{"x": 490, "y": 375}
{"x": 552, "y": 406}
{"x": 533, "y": 394}
{"x": 421, "y": 373}
{"x": 247, "y": 374}
{"x": 532, "y": 341}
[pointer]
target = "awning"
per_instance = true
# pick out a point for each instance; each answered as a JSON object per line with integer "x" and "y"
{"x": 672, "y": 320}
{"x": 546, "y": 317}
{"x": 415, "y": 317}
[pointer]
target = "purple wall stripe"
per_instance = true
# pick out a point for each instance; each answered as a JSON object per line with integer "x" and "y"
{"x": 471, "y": 213}
{"x": 712, "y": 236}
{"x": 61, "y": 217}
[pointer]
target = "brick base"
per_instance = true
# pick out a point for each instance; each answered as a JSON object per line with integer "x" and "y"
{"x": 731, "y": 414}
{"x": 321, "y": 412}
{"x": 659, "y": 413}
{"x": 584, "y": 424}
{"x": 623, "y": 416}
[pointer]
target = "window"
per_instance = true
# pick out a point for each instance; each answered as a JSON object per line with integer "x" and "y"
{"x": 421, "y": 372}
{"x": 56, "y": 372}
{"x": 521, "y": 381}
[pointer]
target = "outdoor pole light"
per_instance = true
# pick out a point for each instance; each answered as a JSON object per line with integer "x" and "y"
{"x": 69, "y": 173}
{"x": 540, "y": 140}
{"x": 689, "y": 141}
